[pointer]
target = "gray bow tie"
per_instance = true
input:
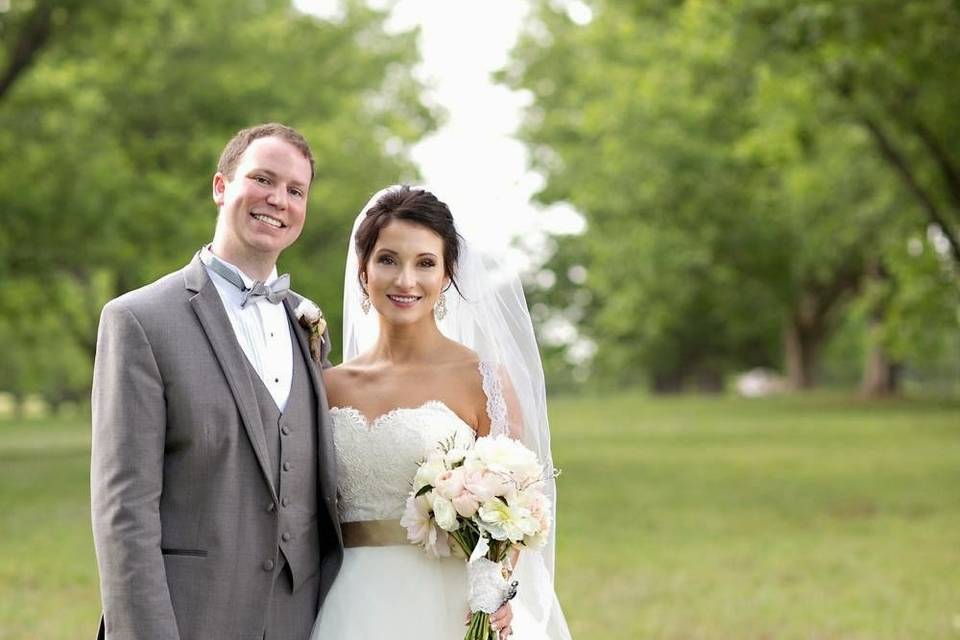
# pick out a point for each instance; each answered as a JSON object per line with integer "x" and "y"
{"x": 274, "y": 292}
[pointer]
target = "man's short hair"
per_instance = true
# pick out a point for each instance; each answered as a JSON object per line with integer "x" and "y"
{"x": 230, "y": 157}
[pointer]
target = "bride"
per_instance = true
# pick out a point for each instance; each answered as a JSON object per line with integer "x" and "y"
{"x": 438, "y": 344}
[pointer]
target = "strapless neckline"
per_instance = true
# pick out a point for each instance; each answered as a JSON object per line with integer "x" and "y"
{"x": 430, "y": 405}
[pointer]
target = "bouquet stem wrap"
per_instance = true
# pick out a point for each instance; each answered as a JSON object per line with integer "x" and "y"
{"x": 487, "y": 588}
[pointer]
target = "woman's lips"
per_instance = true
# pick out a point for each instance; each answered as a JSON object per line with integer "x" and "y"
{"x": 403, "y": 301}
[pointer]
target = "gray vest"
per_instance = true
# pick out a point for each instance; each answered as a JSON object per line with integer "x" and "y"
{"x": 292, "y": 445}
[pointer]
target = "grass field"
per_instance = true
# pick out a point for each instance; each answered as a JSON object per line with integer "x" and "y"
{"x": 810, "y": 518}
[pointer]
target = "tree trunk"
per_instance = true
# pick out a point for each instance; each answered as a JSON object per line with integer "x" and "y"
{"x": 709, "y": 381}
{"x": 812, "y": 319}
{"x": 671, "y": 382}
{"x": 801, "y": 349}
{"x": 881, "y": 376}
{"x": 29, "y": 42}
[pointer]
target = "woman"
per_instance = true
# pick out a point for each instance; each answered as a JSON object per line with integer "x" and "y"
{"x": 435, "y": 347}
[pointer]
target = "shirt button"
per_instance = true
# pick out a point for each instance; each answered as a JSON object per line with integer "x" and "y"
{"x": 286, "y": 466}
{"x": 277, "y": 380}
{"x": 286, "y": 536}
{"x": 268, "y": 565}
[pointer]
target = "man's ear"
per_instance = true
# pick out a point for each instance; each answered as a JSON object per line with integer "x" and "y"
{"x": 219, "y": 188}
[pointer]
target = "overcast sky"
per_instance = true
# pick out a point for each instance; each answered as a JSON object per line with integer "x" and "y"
{"x": 461, "y": 44}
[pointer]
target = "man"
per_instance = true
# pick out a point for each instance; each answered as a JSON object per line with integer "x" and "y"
{"x": 212, "y": 475}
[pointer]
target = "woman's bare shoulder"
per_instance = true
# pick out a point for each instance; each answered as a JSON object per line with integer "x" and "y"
{"x": 340, "y": 379}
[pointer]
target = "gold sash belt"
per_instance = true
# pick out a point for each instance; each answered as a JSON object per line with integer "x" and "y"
{"x": 373, "y": 533}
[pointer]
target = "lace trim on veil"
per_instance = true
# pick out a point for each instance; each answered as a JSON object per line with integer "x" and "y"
{"x": 496, "y": 404}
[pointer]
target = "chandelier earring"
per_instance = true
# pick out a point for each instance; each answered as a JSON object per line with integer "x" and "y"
{"x": 440, "y": 309}
{"x": 365, "y": 303}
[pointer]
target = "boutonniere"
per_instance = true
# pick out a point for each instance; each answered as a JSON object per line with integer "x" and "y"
{"x": 311, "y": 318}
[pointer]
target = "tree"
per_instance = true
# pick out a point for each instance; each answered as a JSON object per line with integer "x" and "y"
{"x": 724, "y": 198}
{"x": 891, "y": 69}
{"x": 109, "y": 140}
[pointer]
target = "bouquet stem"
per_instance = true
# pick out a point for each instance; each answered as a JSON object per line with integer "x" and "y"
{"x": 479, "y": 628}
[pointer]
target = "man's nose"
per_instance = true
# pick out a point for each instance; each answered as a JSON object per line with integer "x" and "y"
{"x": 278, "y": 197}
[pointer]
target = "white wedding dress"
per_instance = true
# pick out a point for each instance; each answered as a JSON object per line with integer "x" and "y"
{"x": 397, "y": 591}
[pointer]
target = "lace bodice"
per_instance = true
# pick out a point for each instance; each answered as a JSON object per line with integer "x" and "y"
{"x": 376, "y": 460}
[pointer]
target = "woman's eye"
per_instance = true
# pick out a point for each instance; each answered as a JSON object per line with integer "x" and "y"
{"x": 427, "y": 264}
{"x": 385, "y": 260}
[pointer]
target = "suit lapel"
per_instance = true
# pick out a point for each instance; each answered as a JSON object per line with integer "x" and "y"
{"x": 216, "y": 325}
{"x": 326, "y": 457}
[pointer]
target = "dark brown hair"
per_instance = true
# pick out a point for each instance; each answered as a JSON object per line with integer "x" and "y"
{"x": 413, "y": 205}
{"x": 230, "y": 157}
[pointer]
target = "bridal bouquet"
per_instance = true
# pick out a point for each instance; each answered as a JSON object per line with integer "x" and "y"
{"x": 486, "y": 499}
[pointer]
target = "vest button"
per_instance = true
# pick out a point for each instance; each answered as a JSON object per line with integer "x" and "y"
{"x": 286, "y": 536}
{"x": 286, "y": 466}
{"x": 268, "y": 565}
{"x": 285, "y": 430}
{"x": 271, "y": 507}
{"x": 284, "y": 502}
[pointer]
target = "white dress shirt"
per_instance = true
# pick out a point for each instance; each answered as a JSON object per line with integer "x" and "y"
{"x": 262, "y": 329}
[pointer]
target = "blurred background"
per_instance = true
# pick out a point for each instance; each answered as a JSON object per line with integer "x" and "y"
{"x": 738, "y": 223}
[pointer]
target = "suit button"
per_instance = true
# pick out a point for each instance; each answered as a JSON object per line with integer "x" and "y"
{"x": 284, "y": 502}
{"x": 271, "y": 507}
{"x": 286, "y": 536}
{"x": 285, "y": 430}
{"x": 268, "y": 565}
{"x": 286, "y": 466}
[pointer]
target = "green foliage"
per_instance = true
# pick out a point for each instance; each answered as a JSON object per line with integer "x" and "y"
{"x": 731, "y": 191}
{"x": 109, "y": 141}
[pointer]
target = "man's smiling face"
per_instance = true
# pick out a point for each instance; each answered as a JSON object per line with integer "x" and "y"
{"x": 264, "y": 204}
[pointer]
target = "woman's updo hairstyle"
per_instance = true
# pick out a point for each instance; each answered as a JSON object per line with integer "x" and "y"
{"x": 413, "y": 205}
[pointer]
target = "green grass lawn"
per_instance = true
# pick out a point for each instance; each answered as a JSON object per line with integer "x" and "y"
{"x": 810, "y": 518}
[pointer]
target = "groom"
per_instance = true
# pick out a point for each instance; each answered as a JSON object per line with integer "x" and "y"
{"x": 212, "y": 474}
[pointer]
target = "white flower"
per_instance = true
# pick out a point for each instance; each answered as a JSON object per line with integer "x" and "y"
{"x": 506, "y": 522}
{"x": 421, "y": 528}
{"x": 428, "y": 471}
{"x": 308, "y": 311}
{"x": 311, "y": 318}
{"x": 502, "y": 454}
{"x": 455, "y": 456}
{"x": 445, "y": 514}
{"x": 537, "y": 525}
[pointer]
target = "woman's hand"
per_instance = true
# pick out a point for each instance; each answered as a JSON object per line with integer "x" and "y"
{"x": 501, "y": 619}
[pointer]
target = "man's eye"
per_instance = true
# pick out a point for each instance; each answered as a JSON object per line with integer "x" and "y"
{"x": 262, "y": 179}
{"x": 296, "y": 193}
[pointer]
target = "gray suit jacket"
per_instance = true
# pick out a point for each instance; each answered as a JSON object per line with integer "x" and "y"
{"x": 184, "y": 511}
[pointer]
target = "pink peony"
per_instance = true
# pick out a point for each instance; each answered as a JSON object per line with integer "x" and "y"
{"x": 484, "y": 485}
{"x": 466, "y": 504}
{"x": 449, "y": 484}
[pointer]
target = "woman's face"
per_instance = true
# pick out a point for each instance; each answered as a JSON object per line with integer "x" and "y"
{"x": 405, "y": 273}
